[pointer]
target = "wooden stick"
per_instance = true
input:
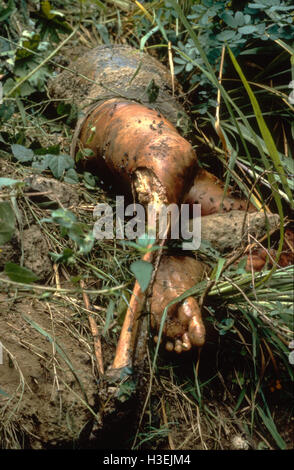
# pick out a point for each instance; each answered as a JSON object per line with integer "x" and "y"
{"x": 95, "y": 333}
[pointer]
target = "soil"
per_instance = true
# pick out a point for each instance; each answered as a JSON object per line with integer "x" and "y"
{"x": 46, "y": 374}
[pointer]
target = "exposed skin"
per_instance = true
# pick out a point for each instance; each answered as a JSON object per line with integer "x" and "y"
{"x": 126, "y": 137}
{"x": 208, "y": 191}
{"x": 183, "y": 327}
{"x": 257, "y": 259}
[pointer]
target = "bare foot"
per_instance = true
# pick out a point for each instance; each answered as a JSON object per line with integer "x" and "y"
{"x": 183, "y": 327}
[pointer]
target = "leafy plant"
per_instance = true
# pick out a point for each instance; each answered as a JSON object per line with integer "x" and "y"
{"x": 21, "y": 55}
{"x": 143, "y": 272}
{"x": 76, "y": 231}
{"x": 61, "y": 166}
{"x": 19, "y": 273}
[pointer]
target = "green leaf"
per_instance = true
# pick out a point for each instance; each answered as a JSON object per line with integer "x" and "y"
{"x": 269, "y": 423}
{"x": 227, "y": 323}
{"x": 8, "y": 85}
{"x": 7, "y": 222}
{"x": 6, "y": 111}
{"x": 63, "y": 217}
{"x": 85, "y": 240}
{"x": 229, "y": 20}
{"x": 65, "y": 257}
{"x": 19, "y": 274}
{"x": 89, "y": 180}
{"x": 6, "y": 12}
{"x": 142, "y": 271}
{"x": 26, "y": 89}
{"x": 101, "y": 5}
{"x": 8, "y": 182}
{"x": 218, "y": 269}
{"x": 42, "y": 162}
{"x": 240, "y": 399}
{"x": 21, "y": 153}
{"x": 147, "y": 36}
{"x": 257, "y": 5}
{"x": 189, "y": 67}
{"x": 103, "y": 32}
{"x": 225, "y": 35}
{"x": 71, "y": 176}
{"x": 248, "y": 29}
{"x": 126, "y": 390}
{"x": 239, "y": 18}
{"x": 59, "y": 163}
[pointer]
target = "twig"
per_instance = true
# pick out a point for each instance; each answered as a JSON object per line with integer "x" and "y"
{"x": 57, "y": 278}
{"x": 54, "y": 361}
{"x": 62, "y": 290}
{"x": 217, "y": 124}
{"x": 165, "y": 421}
{"x": 95, "y": 333}
{"x": 171, "y": 66}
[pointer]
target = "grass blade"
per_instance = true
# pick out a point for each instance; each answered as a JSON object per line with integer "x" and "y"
{"x": 270, "y": 425}
{"x": 267, "y": 137}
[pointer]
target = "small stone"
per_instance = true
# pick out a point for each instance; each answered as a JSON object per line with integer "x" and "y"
{"x": 239, "y": 443}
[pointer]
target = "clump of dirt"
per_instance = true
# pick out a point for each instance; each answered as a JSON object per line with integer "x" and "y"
{"x": 35, "y": 251}
{"x": 51, "y": 191}
{"x": 31, "y": 245}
